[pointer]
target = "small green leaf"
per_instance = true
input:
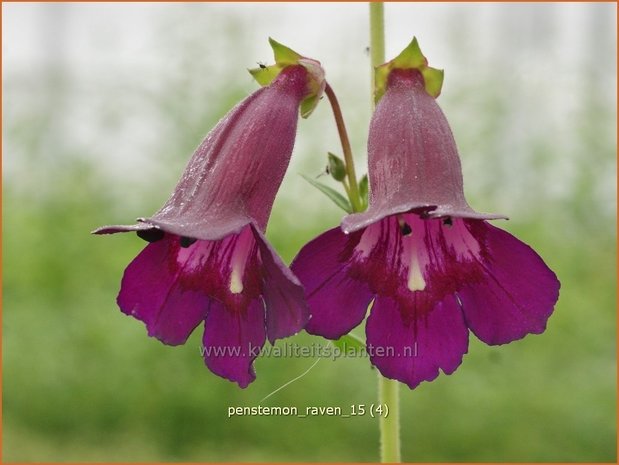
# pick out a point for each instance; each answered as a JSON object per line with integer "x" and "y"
{"x": 337, "y": 169}
{"x": 349, "y": 340}
{"x": 334, "y": 195}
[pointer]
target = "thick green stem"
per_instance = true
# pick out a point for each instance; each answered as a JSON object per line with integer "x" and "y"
{"x": 388, "y": 390}
{"x": 353, "y": 187}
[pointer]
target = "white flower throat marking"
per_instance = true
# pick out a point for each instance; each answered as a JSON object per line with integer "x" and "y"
{"x": 416, "y": 282}
{"x": 238, "y": 261}
{"x": 415, "y": 277}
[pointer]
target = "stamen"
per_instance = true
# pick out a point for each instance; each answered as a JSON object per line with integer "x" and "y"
{"x": 187, "y": 241}
{"x": 405, "y": 228}
{"x": 151, "y": 235}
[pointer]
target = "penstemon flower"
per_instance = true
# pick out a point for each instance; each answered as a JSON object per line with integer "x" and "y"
{"x": 208, "y": 260}
{"x": 432, "y": 267}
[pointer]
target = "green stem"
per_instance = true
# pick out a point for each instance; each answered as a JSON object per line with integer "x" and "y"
{"x": 388, "y": 394}
{"x": 388, "y": 390}
{"x": 377, "y": 38}
{"x": 353, "y": 190}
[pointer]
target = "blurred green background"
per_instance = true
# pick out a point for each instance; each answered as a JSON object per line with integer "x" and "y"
{"x": 102, "y": 107}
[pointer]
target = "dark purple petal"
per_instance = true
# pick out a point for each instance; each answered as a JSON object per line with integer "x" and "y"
{"x": 168, "y": 286}
{"x": 156, "y": 290}
{"x": 413, "y": 350}
{"x": 517, "y": 293}
{"x": 284, "y": 297}
{"x": 233, "y": 339}
{"x": 338, "y": 301}
{"x": 413, "y": 161}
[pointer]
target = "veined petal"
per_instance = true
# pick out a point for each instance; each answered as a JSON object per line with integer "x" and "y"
{"x": 169, "y": 287}
{"x": 404, "y": 256}
{"x": 233, "y": 339}
{"x": 337, "y": 300}
{"x": 284, "y": 297}
{"x": 413, "y": 349}
{"x": 158, "y": 290}
{"x": 517, "y": 292}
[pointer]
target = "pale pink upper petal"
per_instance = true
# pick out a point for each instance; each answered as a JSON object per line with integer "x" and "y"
{"x": 413, "y": 161}
{"x": 234, "y": 174}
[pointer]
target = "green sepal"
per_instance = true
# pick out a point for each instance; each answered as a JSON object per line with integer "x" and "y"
{"x": 410, "y": 58}
{"x": 337, "y": 168}
{"x": 349, "y": 340}
{"x": 264, "y": 76}
{"x": 334, "y": 195}
{"x": 283, "y": 55}
{"x": 433, "y": 79}
{"x": 308, "y": 105}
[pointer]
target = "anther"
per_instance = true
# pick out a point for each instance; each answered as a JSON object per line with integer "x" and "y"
{"x": 150, "y": 235}
{"x": 405, "y": 229}
{"x": 187, "y": 241}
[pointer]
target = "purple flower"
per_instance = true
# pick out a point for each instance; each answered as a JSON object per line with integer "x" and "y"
{"x": 208, "y": 260}
{"x": 433, "y": 268}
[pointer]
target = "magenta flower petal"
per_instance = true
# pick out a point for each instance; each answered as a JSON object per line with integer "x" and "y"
{"x": 287, "y": 311}
{"x": 232, "y": 340}
{"x": 517, "y": 293}
{"x": 412, "y": 350}
{"x": 338, "y": 301}
{"x": 155, "y": 285}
